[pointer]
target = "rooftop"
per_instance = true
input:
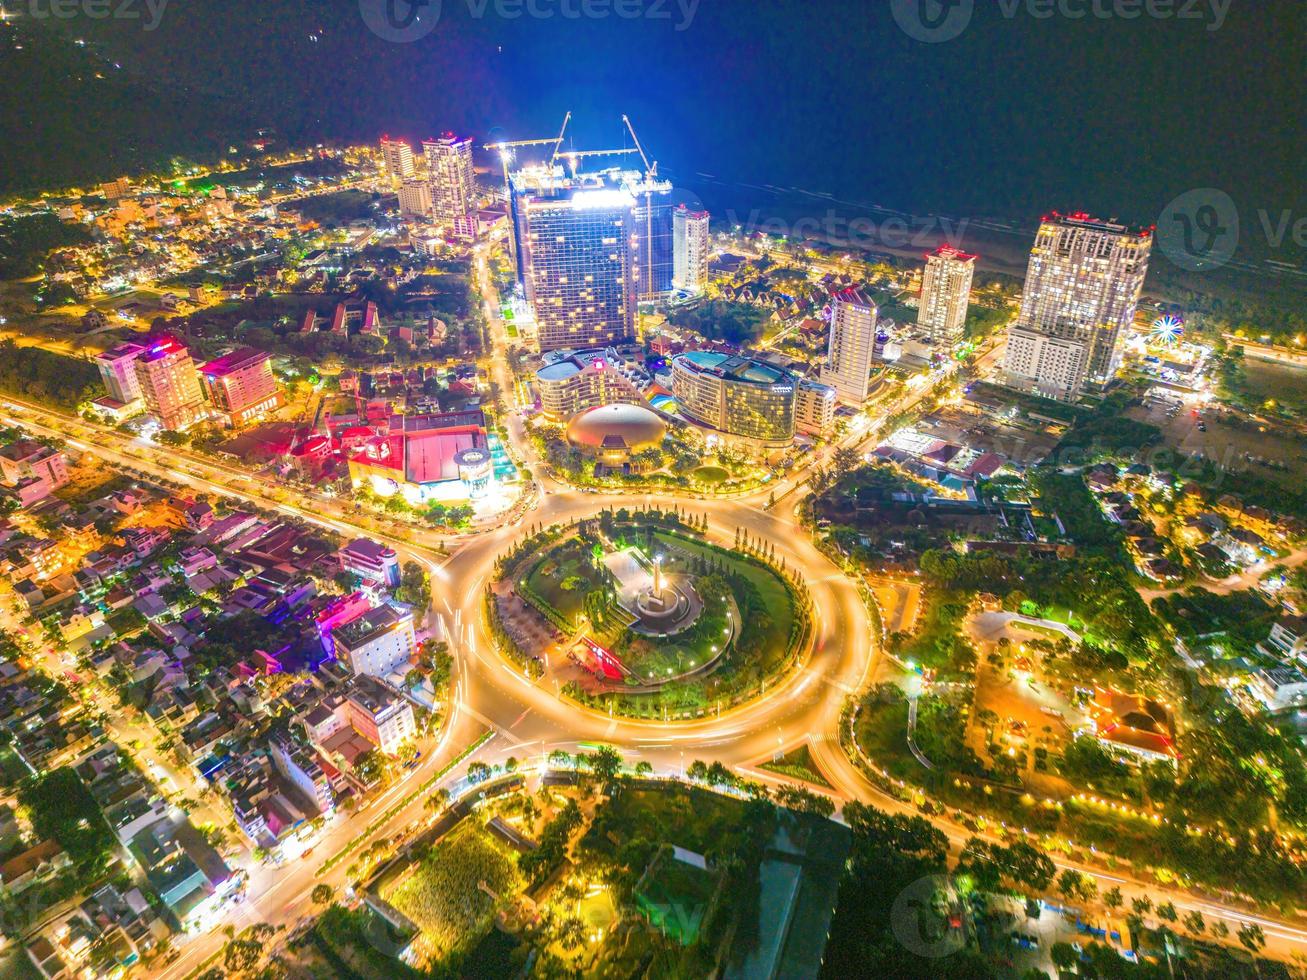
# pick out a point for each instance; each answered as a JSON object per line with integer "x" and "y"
{"x": 735, "y": 367}
{"x": 369, "y": 626}
{"x": 235, "y": 361}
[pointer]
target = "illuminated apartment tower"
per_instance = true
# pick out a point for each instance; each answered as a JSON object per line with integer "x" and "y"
{"x": 1082, "y": 287}
{"x": 118, "y": 371}
{"x": 170, "y": 384}
{"x": 577, "y": 251}
{"x": 852, "y": 343}
{"x": 241, "y": 386}
{"x": 453, "y": 183}
{"x": 398, "y": 158}
{"x": 690, "y": 249}
{"x": 945, "y": 292}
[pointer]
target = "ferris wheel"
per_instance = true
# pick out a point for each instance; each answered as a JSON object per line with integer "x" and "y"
{"x": 1168, "y": 330}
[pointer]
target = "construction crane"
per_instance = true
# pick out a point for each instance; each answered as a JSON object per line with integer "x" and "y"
{"x": 504, "y": 147}
{"x": 572, "y": 156}
{"x": 651, "y": 169}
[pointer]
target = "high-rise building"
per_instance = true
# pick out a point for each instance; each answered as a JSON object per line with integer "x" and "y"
{"x": 736, "y": 395}
{"x": 118, "y": 371}
{"x": 852, "y": 346}
{"x": 945, "y": 293}
{"x": 170, "y": 384}
{"x": 415, "y": 198}
{"x": 1082, "y": 287}
{"x": 653, "y": 227}
{"x": 453, "y": 182}
{"x": 578, "y": 250}
{"x": 690, "y": 249}
{"x": 397, "y": 155}
{"x": 241, "y": 386}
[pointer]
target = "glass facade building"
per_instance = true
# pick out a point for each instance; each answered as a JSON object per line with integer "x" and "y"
{"x": 736, "y": 395}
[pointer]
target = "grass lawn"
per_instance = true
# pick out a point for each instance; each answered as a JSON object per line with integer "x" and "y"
{"x": 710, "y": 474}
{"x": 775, "y": 594}
{"x": 564, "y": 577}
{"x": 883, "y": 734}
{"x": 798, "y": 763}
{"x": 442, "y": 894}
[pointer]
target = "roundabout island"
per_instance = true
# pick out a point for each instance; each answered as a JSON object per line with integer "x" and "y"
{"x": 637, "y": 614}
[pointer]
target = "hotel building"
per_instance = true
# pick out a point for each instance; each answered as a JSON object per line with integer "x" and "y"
{"x": 578, "y": 243}
{"x": 690, "y": 246}
{"x": 569, "y": 382}
{"x": 852, "y": 346}
{"x": 241, "y": 386}
{"x": 170, "y": 384}
{"x": 736, "y": 395}
{"x": 453, "y": 181}
{"x": 378, "y": 642}
{"x": 1082, "y": 288}
{"x": 945, "y": 293}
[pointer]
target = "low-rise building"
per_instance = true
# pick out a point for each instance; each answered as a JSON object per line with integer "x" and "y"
{"x": 371, "y": 561}
{"x": 380, "y": 715}
{"x": 1288, "y": 639}
{"x": 28, "y": 459}
{"x": 1279, "y": 687}
{"x": 377, "y": 643}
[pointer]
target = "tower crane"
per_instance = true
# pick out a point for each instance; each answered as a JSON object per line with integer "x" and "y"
{"x": 503, "y": 147}
{"x": 651, "y": 169}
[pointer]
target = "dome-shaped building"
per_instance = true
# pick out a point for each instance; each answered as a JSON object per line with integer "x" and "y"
{"x": 615, "y": 432}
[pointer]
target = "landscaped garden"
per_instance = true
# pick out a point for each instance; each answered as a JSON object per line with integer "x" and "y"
{"x": 659, "y": 622}
{"x": 445, "y": 893}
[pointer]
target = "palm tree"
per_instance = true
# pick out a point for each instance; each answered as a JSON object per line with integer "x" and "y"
{"x": 1252, "y": 938}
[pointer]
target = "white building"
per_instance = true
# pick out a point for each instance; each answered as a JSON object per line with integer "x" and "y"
{"x": 118, "y": 371}
{"x": 1279, "y": 687}
{"x": 852, "y": 343}
{"x": 378, "y": 642}
{"x": 814, "y": 408}
{"x": 397, "y": 156}
{"x": 453, "y": 182}
{"x": 689, "y": 250}
{"x": 1288, "y": 639}
{"x": 415, "y": 198}
{"x": 1050, "y": 366}
{"x": 1082, "y": 284}
{"x": 945, "y": 293}
{"x": 569, "y": 382}
{"x": 380, "y": 715}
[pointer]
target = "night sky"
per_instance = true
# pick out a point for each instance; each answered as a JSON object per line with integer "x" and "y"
{"x": 1015, "y": 116}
